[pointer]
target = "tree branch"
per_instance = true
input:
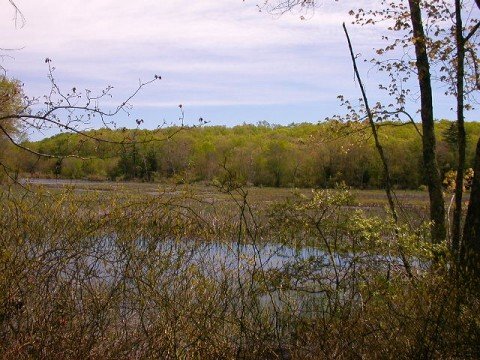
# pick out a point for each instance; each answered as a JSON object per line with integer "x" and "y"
{"x": 388, "y": 182}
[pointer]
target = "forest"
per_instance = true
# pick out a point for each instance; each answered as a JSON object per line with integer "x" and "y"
{"x": 300, "y": 155}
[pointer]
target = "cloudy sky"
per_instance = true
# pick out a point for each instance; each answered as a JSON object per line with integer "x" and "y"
{"x": 223, "y": 60}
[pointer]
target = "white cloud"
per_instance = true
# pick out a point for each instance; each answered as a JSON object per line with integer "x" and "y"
{"x": 207, "y": 45}
{"x": 209, "y": 52}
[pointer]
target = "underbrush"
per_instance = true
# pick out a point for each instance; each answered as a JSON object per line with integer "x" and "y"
{"x": 109, "y": 275}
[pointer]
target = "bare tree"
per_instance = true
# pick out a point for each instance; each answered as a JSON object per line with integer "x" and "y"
{"x": 71, "y": 111}
{"x": 378, "y": 145}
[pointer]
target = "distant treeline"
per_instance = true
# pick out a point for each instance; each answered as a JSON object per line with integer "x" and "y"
{"x": 303, "y": 155}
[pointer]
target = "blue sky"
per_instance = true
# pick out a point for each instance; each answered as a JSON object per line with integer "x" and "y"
{"x": 223, "y": 60}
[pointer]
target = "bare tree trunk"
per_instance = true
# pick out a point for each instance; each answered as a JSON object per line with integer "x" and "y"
{"x": 470, "y": 250}
{"x": 378, "y": 145}
{"x": 461, "y": 140}
{"x": 434, "y": 181}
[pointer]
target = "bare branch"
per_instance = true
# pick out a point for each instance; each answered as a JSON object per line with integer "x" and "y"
{"x": 378, "y": 145}
{"x": 18, "y": 14}
{"x": 472, "y": 32}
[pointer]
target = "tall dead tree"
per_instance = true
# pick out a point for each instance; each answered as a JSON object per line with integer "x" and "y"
{"x": 378, "y": 145}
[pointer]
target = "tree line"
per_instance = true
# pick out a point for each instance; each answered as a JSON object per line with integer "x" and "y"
{"x": 298, "y": 155}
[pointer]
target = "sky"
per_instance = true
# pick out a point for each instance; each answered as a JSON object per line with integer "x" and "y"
{"x": 223, "y": 61}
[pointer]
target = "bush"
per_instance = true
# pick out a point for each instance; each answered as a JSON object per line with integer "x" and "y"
{"x": 119, "y": 275}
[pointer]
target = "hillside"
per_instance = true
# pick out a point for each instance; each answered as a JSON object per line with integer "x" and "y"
{"x": 303, "y": 155}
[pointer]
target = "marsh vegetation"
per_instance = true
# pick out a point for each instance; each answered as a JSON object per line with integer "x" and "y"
{"x": 105, "y": 271}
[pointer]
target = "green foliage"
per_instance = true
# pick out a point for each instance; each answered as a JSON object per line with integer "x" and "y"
{"x": 304, "y": 155}
{"x": 11, "y": 102}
